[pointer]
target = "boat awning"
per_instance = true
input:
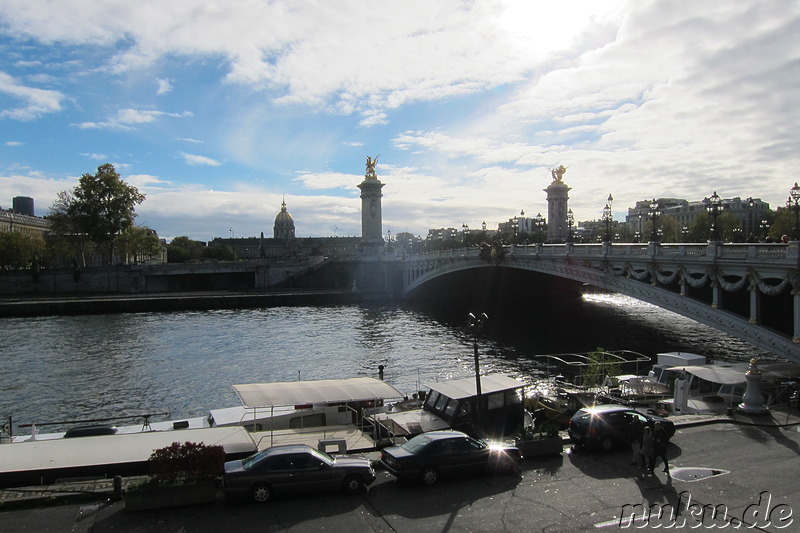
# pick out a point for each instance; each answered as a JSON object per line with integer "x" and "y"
{"x": 715, "y": 374}
{"x": 464, "y": 388}
{"x": 285, "y": 393}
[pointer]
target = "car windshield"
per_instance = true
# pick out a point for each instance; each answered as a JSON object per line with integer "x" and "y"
{"x": 416, "y": 444}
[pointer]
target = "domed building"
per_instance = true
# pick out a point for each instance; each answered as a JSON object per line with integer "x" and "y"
{"x": 284, "y": 224}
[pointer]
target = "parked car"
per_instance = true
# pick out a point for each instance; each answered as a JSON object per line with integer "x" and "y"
{"x": 608, "y": 426}
{"x": 292, "y": 469}
{"x": 429, "y": 455}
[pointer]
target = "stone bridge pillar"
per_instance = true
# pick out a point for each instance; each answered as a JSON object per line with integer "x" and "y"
{"x": 371, "y": 216}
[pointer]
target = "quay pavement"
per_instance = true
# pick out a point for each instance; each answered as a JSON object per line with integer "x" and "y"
{"x": 724, "y": 471}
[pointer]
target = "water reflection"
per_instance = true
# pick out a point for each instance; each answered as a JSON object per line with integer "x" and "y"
{"x": 58, "y": 368}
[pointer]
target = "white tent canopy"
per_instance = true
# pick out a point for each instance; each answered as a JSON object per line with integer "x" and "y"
{"x": 715, "y": 374}
{"x": 287, "y": 393}
{"x": 464, "y": 388}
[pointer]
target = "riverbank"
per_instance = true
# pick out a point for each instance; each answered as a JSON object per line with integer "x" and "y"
{"x": 181, "y": 301}
{"x": 732, "y": 458}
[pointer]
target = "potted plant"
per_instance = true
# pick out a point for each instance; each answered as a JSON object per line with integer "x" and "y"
{"x": 544, "y": 440}
{"x": 180, "y": 474}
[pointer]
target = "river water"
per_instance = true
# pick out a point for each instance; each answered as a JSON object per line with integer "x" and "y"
{"x": 78, "y": 367}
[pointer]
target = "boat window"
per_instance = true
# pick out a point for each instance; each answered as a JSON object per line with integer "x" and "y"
{"x": 495, "y": 400}
{"x": 441, "y": 402}
{"x": 450, "y": 410}
{"x": 465, "y": 409}
{"x": 430, "y": 401}
{"x": 513, "y": 396}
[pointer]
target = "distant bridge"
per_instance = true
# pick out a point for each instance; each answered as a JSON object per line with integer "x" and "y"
{"x": 693, "y": 280}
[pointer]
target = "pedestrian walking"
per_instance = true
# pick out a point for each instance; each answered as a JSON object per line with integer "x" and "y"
{"x": 635, "y": 437}
{"x": 647, "y": 449}
{"x": 660, "y": 440}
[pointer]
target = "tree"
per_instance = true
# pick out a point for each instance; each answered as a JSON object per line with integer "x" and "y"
{"x": 97, "y": 211}
{"x": 183, "y": 249}
{"x": 138, "y": 243}
{"x": 19, "y": 250}
{"x": 600, "y": 365}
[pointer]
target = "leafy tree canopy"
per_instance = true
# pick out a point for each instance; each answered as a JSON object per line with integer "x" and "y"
{"x": 97, "y": 210}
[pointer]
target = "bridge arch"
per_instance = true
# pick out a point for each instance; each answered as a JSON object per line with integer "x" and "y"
{"x": 644, "y": 272}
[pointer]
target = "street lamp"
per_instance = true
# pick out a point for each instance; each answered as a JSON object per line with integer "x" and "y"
{"x": 685, "y": 232}
{"x": 637, "y": 236}
{"x": 793, "y": 203}
{"x": 751, "y": 205}
{"x": 654, "y": 214}
{"x": 763, "y": 226}
{"x": 538, "y": 221}
{"x": 475, "y": 323}
{"x": 714, "y": 207}
{"x": 570, "y": 222}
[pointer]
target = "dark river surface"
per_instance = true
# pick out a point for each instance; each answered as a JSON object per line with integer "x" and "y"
{"x": 78, "y": 367}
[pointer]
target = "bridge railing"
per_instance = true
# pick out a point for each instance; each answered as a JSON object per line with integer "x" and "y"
{"x": 772, "y": 253}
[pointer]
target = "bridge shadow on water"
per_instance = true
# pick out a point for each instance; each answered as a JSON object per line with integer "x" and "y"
{"x": 539, "y": 314}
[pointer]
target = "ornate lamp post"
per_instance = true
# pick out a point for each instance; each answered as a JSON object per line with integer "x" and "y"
{"x": 751, "y": 205}
{"x": 764, "y": 226}
{"x": 538, "y": 221}
{"x": 654, "y": 214}
{"x": 465, "y": 233}
{"x": 685, "y": 232}
{"x": 570, "y": 222}
{"x": 714, "y": 207}
{"x": 793, "y": 203}
{"x": 476, "y": 323}
{"x": 637, "y": 236}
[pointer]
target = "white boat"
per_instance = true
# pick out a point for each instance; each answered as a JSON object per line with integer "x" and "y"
{"x": 320, "y": 413}
{"x": 706, "y": 388}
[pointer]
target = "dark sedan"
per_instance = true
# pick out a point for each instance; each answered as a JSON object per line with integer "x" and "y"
{"x": 293, "y": 469}
{"x": 608, "y": 426}
{"x": 429, "y": 455}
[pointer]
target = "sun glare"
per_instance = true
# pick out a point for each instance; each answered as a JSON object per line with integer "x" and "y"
{"x": 548, "y": 26}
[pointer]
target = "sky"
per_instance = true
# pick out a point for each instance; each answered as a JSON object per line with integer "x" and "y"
{"x": 219, "y": 110}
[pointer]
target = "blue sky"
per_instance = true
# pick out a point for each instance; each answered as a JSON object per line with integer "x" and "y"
{"x": 218, "y": 110}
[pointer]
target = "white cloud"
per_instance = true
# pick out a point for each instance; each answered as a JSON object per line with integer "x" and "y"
{"x": 128, "y": 118}
{"x": 35, "y": 102}
{"x": 193, "y": 159}
{"x": 96, "y": 157}
{"x": 14, "y": 143}
{"x": 164, "y": 86}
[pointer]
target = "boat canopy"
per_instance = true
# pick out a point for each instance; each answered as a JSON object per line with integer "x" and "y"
{"x": 724, "y": 375}
{"x": 254, "y": 395}
{"x": 465, "y": 388}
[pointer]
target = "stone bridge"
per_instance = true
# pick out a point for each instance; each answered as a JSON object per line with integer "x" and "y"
{"x": 735, "y": 288}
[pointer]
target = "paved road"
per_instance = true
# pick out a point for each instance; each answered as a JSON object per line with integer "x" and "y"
{"x": 573, "y": 492}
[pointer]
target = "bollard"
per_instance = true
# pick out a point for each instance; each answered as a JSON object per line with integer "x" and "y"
{"x": 117, "y": 488}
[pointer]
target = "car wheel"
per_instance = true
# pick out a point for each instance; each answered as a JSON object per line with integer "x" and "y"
{"x": 353, "y": 484}
{"x": 261, "y": 493}
{"x": 606, "y": 444}
{"x": 429, "y": 475}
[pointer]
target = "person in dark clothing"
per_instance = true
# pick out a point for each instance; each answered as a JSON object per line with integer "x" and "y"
{"x": 647, "y": 449}
{"x": 636, "y": 432}
{"x": 660, "y": 440}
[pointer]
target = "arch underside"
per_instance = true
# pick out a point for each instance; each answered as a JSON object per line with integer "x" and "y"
{"x": 720, "y": 319}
